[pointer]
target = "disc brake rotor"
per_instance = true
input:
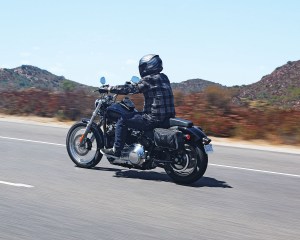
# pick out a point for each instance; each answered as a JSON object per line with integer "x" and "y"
{"x": 186, "y": 164}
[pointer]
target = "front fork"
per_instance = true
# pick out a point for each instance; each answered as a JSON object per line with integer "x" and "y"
{"x": 88, "y": 127}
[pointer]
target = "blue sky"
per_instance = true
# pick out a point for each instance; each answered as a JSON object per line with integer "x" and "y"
{"x": 229, "y": 42}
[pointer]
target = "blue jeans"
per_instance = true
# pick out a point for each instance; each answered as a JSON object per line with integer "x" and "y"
{"x": 134, "y": 121}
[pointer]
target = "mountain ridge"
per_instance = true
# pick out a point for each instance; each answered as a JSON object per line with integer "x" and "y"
{"x": 27, "y": 76}
{"x": 279, "y": 88}
{"x": 194, "y": 85}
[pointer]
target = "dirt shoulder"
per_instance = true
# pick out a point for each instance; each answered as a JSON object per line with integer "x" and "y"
{"x": 36, "y": 120}
{"x": 230, "y": 142}
{"x": 257, "y": 145}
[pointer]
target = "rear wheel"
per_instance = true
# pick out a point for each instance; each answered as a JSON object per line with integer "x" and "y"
{"x": 190, "y": 166}
{"x": 87, "y": 154}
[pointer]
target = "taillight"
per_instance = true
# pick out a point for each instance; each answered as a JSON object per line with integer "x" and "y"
{"x": 187, "y": 137}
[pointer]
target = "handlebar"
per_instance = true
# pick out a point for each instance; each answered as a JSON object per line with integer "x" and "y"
{"x": 103, "y": 89}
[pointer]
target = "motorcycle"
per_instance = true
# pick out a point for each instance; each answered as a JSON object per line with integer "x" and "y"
{"x": 180, "y": 148}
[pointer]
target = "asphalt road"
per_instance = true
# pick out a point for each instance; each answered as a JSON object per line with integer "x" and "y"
{"x": 59, "y": 201}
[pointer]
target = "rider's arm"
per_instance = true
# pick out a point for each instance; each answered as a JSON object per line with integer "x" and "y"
{"x": 124, "y": 89}
{"x": 142, "y": 86}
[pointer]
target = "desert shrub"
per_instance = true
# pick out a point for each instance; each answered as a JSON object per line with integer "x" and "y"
{"x": 218, "y": 97}
{"x": 212, "y": 110}
{"x": 178, "y": 98}
{"x": 68, "y": 85}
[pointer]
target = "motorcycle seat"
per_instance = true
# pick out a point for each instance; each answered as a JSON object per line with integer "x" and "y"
{"x": 180, "y": 122}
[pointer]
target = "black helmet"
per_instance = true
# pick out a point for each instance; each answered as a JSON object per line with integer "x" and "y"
{"x": 150, "y": 64}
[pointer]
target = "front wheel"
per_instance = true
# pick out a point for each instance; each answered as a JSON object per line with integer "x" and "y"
{"x": 87, "y": 154}
{"x": 190, "y": 166}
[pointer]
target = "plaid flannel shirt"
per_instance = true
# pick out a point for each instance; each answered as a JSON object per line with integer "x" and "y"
{"x": 158, "y": 96}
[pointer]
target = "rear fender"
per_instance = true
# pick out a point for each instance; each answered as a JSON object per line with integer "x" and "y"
{"x": 196, "y": 134}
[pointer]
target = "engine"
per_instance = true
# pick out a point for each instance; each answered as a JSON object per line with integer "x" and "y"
{"x": 133, "y": 155}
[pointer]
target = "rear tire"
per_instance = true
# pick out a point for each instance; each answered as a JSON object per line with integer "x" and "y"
{"x": 86, "y": 156}
{"x": 191, "y": 168}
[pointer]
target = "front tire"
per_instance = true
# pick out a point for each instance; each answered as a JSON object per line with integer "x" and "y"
{"x": 87, "y": 155}
{"x": 191, "y": 167}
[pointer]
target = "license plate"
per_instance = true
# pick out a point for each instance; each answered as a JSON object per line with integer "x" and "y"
{"x": 208, "y": 148}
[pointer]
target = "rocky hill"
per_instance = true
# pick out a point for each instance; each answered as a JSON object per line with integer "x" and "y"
{"x": 193, "y": 85}
{"x": 280, "y": 88}
{"x": 27, "y": 76}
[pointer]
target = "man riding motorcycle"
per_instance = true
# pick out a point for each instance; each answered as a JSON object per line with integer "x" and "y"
{"x": 158, "y": 102}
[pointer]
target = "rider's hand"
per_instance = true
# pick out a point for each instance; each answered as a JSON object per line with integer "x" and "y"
{"x": 109, "y": 88}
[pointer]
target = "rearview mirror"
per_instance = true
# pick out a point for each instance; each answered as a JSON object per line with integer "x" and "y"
{"x": 135, "y": 79}
{"x": 102, "y": 80}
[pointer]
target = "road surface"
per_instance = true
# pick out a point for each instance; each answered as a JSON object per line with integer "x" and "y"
{"x": 245, "y": 194}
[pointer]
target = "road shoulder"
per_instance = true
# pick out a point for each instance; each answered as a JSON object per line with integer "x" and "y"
{"x": 228, "y": 142}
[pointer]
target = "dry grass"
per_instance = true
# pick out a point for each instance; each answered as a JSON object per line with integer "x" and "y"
{"x": 212, "y": 110}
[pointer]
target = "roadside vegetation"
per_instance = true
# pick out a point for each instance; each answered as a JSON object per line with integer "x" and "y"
{"x": 212, "y": 109}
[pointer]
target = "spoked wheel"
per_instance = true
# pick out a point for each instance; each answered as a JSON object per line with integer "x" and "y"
{"x": 85, "y": 154}
{"x": 190, "y": 166}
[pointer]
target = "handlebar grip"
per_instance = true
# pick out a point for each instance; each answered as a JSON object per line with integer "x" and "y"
{"x": 103, "y": 90}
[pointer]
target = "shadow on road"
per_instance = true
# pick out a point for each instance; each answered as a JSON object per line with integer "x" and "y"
{"x": 162, "y": 177}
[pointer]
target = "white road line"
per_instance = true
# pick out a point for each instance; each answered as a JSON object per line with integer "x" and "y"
{"x": 260, "y": 148}
{"x": 26, "y": 140}
{"x": 16, "y": 184}
{"x": 211, "y": 164}
{"x": 254, "y": 170}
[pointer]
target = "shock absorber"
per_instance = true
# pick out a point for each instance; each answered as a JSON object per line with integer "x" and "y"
{"x": 88, "y": 126}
